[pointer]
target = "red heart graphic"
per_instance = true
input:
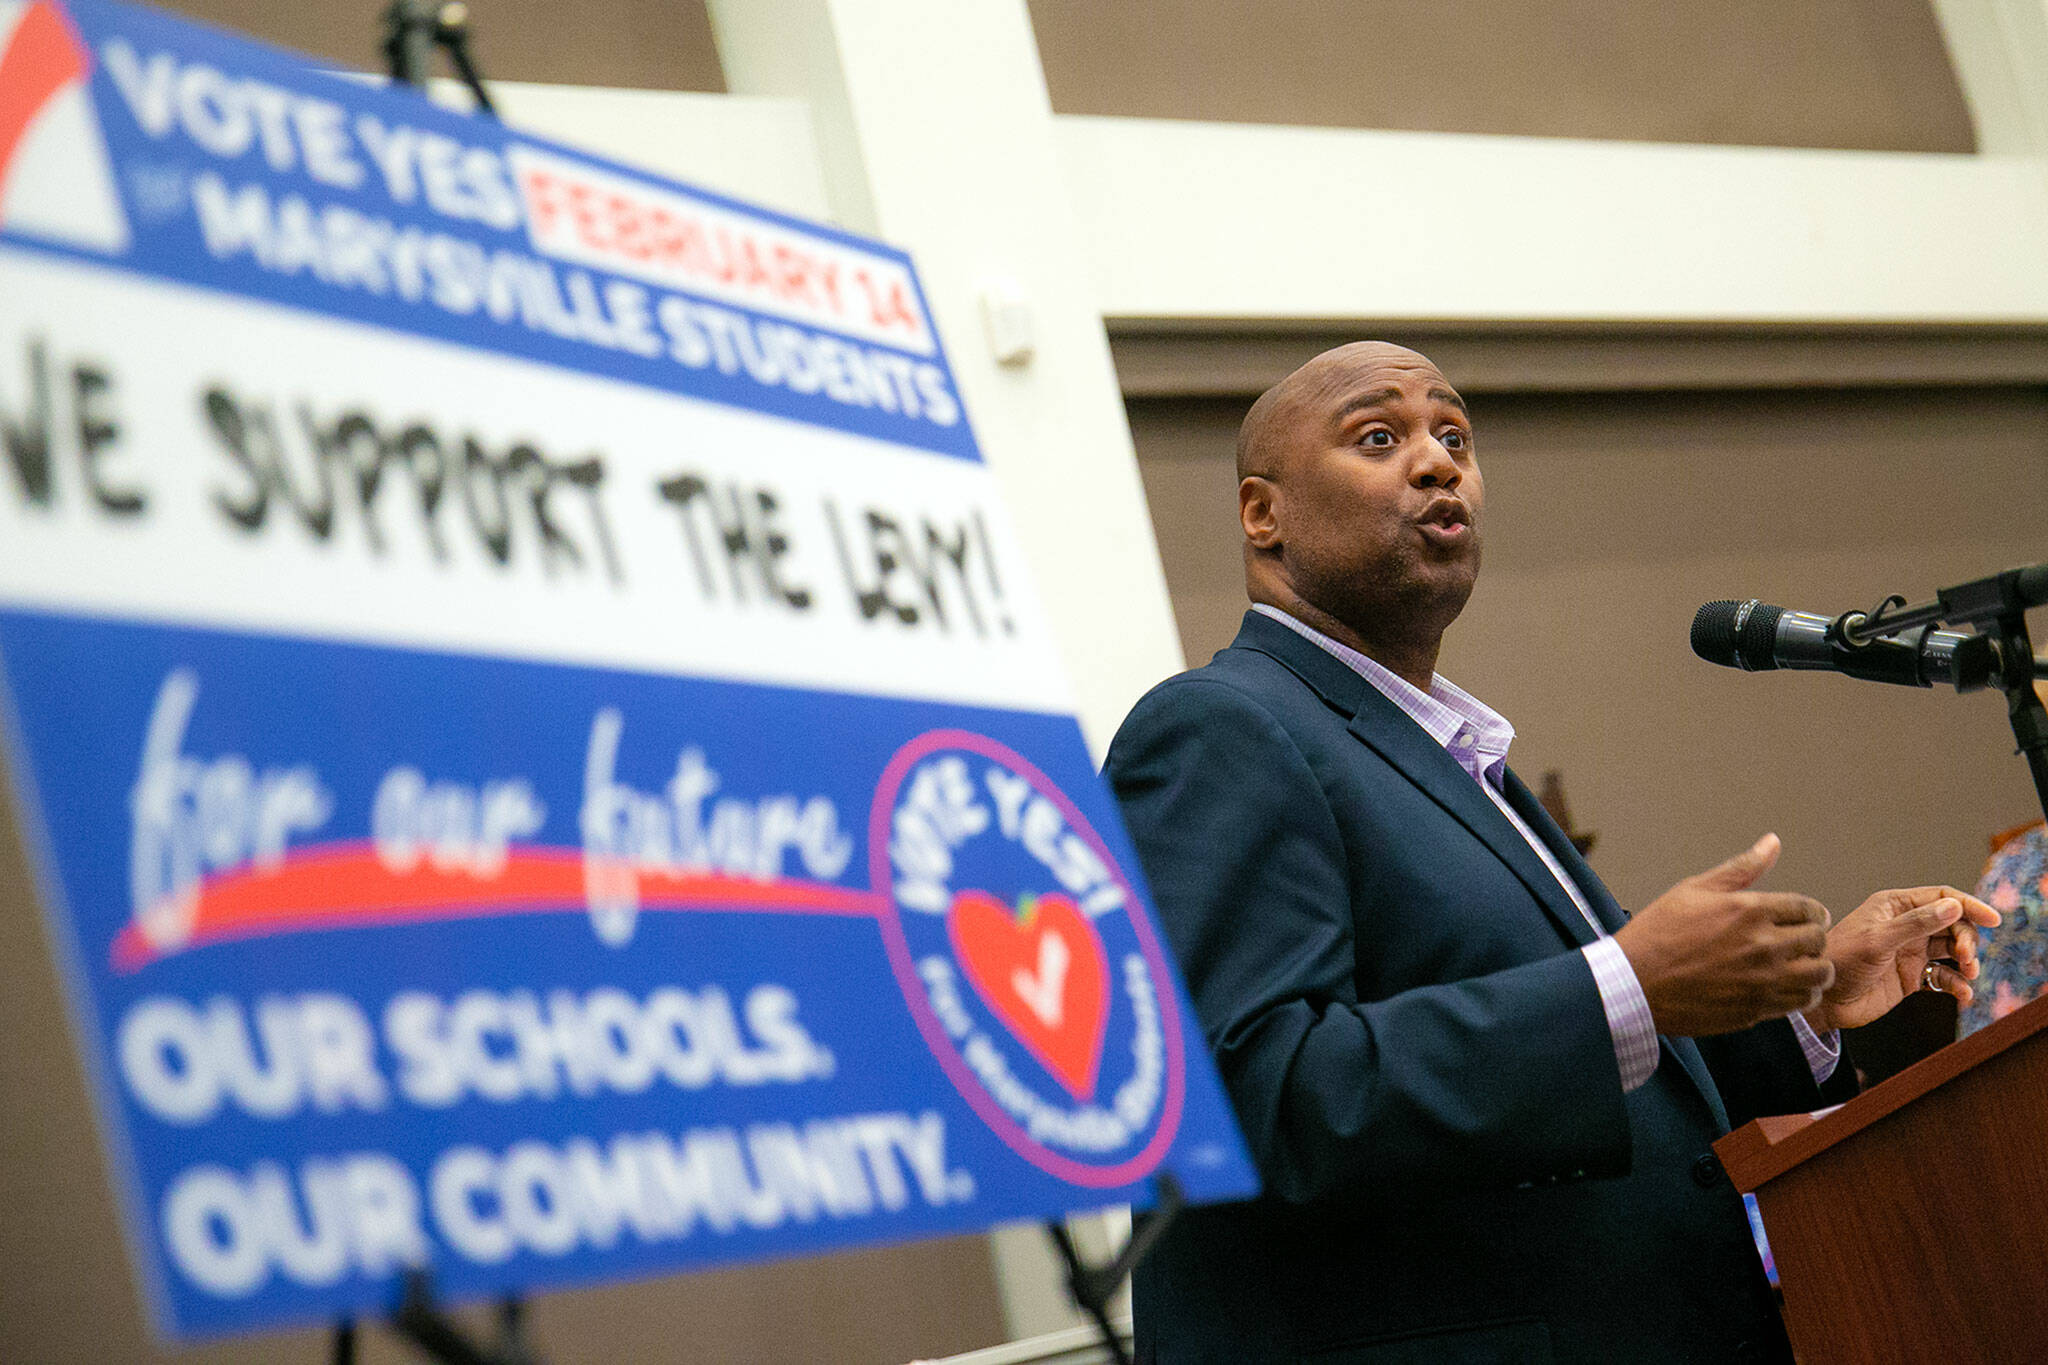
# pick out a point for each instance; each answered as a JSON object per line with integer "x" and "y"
{"x": 1043, "y": 971}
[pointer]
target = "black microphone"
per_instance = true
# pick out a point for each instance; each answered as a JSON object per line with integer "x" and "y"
{"x": 1755, "y": 636}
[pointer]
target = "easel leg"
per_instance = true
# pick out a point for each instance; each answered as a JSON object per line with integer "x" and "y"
{"x": 421, "y": 1323}
{"x": 512, "y": 1330}
{"x": 1092, "y": 1287}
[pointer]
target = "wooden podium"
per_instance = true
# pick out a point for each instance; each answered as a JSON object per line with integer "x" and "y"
{"x": 1911, "y": 1224}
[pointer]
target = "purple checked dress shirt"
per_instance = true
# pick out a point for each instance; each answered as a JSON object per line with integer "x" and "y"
{"x": 1478, "y": 737}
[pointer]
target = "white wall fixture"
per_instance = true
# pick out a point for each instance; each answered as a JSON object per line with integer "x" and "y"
{"x": 1007, "y": 318}
{"x": 935, "y": 132}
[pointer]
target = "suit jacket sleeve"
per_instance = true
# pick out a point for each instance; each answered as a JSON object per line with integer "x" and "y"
{"x": 1499, "y": 1079}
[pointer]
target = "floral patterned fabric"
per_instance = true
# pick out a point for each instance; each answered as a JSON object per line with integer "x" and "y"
{"x": 2015, "y": 954}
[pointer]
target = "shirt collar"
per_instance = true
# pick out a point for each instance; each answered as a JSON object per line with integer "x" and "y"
{"x": 1472, "y": 732}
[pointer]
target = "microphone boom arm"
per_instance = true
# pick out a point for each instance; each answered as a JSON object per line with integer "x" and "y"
{"x": 1984, "y": 602}
{"x": 1868, "y": 645}
{"x": 1996, "y": 607}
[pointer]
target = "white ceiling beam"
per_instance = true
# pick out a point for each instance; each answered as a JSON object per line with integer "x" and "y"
{"x": 1195, "y": 222}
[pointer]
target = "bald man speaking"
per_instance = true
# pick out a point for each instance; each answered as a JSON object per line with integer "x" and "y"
{"x": 1480, "y": 1093}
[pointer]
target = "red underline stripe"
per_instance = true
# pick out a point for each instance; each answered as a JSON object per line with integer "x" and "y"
{"x": 346, "y": 886}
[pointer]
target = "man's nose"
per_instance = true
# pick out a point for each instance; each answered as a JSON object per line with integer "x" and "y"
{"x": 1434, "y": 466}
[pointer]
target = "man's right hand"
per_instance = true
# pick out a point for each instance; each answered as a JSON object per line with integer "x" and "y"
{"x": 1713, "y": 956}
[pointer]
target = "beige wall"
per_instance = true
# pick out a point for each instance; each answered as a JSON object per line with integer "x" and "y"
{"x": 1610, "y": 519}
{"x": 645, "y": 44}
{"x": 1818, "y": 73}
{"x": 1821, "y": 73}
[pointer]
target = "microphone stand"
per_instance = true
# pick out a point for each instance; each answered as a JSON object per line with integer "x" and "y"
{"x": 2022, "y": 703}
{"x": 1997, "y": 607}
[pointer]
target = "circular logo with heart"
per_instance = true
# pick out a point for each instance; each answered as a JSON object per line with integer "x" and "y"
{"x": 1028, "y": 962}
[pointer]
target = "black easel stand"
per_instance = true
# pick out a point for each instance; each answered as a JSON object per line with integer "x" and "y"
{"x": 424, "y": 1325}
{"x": 421, "y": 1323}
{"x": 1092, "y": 1287}
{"x": 1997, "y": 607}
{"x": 411, "y": 26}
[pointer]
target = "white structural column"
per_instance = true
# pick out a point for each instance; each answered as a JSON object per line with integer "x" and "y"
{"x": 934, "y": 132}
{"x": 1999, "y": 49}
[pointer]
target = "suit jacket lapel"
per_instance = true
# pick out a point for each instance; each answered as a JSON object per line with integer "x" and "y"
{"x": 1605, "y": 908}
{"x": 1395, "y": 736}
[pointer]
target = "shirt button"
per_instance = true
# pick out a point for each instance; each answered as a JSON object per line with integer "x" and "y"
{"x": 1706, "y": 1172}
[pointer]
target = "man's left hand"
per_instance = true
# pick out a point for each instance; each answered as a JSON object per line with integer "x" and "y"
{"x": 1881, "y": 950}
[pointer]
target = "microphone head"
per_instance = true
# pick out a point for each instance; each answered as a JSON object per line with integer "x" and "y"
{"x": 1713, "y": 633}
{"x": 1737, "y": 634}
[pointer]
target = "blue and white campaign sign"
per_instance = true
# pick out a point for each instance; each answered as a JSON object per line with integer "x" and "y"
{"x": 542, "y": 756}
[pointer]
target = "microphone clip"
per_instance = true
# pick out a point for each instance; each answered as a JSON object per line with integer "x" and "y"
{"x": 1966, "y": 662}
{"x": 1854, "y": 628}
{"x": 1990, "y": 605}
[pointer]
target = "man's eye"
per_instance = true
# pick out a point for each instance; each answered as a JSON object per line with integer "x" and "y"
{"x": 1455, "y": 439}
{"x": 1378, "y": 437}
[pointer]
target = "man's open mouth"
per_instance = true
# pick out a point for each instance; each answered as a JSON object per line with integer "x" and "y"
{"x": 1446, "y": 514}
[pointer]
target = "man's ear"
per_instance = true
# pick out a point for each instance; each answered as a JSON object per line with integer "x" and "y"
{"x": 1258, "y": 511}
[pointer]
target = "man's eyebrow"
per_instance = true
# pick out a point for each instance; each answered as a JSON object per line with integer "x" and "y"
{"x": 1359, "y": 401}
{"x": 1374, "y": 397}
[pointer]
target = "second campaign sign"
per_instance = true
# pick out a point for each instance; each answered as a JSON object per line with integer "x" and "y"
{"x": 542, "y": 757}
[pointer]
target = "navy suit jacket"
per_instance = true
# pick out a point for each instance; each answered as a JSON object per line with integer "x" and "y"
{"x": 1388, "y": 979}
